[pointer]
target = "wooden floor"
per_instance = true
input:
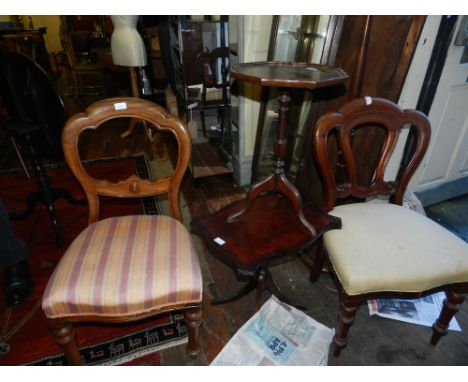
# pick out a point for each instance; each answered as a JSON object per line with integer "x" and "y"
{"x": 372, "y": 340}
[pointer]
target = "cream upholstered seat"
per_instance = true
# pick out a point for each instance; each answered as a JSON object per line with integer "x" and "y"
{"x": 385, "y": 247}
{"x": 125, "y": 268}
{"x": 383, "y": 250}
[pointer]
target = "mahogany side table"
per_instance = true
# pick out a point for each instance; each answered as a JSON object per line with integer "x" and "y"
{"x": 272, "y": 223}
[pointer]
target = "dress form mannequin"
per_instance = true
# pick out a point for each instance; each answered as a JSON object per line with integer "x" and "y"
{"x": 127, "y": 46}
{"x": 128, "y": 49}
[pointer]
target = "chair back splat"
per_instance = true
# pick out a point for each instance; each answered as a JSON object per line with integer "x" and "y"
{"x": 125, "y": 268}
{"x": 362, "y": 113}
{"x": 383, "y": 250}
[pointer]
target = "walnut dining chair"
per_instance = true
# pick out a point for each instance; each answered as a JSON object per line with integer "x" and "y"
{"x": 214, "y": 95}
{"x": 383, "y": 250}
{"x": 126, "y": 268}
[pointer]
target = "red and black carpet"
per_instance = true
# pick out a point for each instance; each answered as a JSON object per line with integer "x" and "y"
{"x": 24, "y": 336}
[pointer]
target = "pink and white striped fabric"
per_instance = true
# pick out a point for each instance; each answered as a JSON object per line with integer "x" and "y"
{"x": 125, "y": 266}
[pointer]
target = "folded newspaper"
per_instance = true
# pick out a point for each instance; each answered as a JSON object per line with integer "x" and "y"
{"x": 277, "y": 335}
{"x": 422, "y": 311}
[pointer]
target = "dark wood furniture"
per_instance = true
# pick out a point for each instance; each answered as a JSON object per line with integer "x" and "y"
{"x": 215, "y": 87}
{"x": 27, "y": 41}
{"x": 140, "y": 266}
{"x": 384, "y": 250}
{"x": 36, "y": 118}
{"x": 271, "y": 222}
{"x": 196, "y": 57}
{"x": 87, "y": 76}
{"x": 84, "y": 43}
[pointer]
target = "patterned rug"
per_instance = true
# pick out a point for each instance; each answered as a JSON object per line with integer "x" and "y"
{"x": 23, "y": 330}
{"x": 129, "y": 348}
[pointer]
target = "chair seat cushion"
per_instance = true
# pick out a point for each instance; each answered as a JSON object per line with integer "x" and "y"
{"x": 385, "y": 247}
{"x": 125, "y": 266}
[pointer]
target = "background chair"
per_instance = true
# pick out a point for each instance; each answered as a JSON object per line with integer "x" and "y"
{"x": 383, "y": 250}
{"x": 214, "y": 94}
{"x": 127, "y": 268}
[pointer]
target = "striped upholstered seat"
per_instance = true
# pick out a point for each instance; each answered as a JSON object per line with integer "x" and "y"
{"x": 125, "y": 266}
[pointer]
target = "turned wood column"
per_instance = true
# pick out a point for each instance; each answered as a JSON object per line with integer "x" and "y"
{"x": 280, "y": 144}
{"x": 346, "y": 316}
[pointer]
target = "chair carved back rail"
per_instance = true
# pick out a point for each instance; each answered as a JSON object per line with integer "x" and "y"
{"x": 384, "y": 250}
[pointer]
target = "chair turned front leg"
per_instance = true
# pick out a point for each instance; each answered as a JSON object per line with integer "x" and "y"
{"x": 451, "y": 306}
{"x": 193, "y": 318}
{"x": 64, "y": 335}
{"x": 345, "y": 320}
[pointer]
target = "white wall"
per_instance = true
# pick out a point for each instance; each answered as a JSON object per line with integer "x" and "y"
{"x": 443, "y": 173}
{"x": 253, "y": 38}
{"x": 256, "y": 33}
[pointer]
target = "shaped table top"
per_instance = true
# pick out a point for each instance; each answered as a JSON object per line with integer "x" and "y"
{"x": 288, "y": 74}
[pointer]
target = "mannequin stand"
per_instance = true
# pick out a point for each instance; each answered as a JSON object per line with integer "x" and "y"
{"x": 133, "y": 121}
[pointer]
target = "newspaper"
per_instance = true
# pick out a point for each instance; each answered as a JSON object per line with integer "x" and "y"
{"x": 422, "y": 311}
{"x": 277, "y": 335}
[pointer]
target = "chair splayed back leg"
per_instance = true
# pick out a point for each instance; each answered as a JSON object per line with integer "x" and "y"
{"x": 125, "y": 268}
{"x": 383, "y": 250}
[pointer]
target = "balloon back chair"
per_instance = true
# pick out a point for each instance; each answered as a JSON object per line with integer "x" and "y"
{"x": 215, "y": 86}
{"x": 384, "y": 250}
{"x": 127, "y": 268}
